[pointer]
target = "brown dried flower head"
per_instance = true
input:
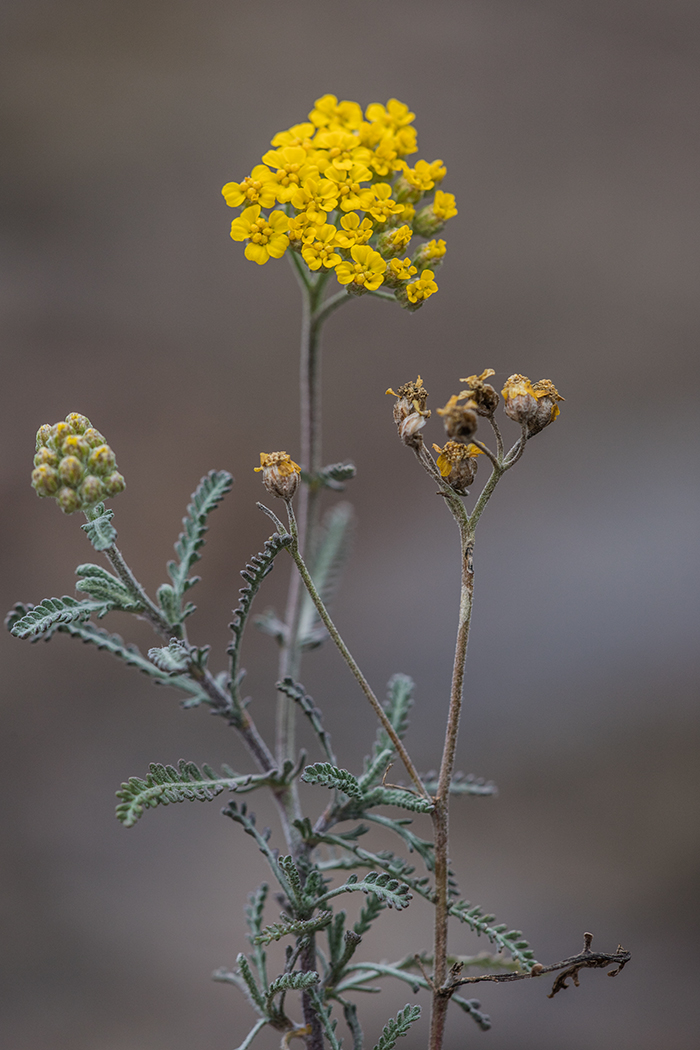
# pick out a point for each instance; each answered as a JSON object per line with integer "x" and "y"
{"x": 458, "y": 464}
{"x": 547, "y": 408}
{"x": 280, "y": 474}
{"x": 484, "y": 397}
{"x": 410, "y": 413}
{"x": 460, "y": 420}
{"x": 519, "y": 397}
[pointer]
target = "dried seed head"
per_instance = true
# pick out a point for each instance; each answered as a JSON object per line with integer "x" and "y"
{"x": 458, "y": 464}
{"x": 70, "y": 456}
{"x": 547, "y": 407}
{"x": 483, "y": 395}
{"x": 520, "y": 401}
{"x": 410, "y": 414}
{"x": 460, "y": 420}
{"x": 280, "y": 474}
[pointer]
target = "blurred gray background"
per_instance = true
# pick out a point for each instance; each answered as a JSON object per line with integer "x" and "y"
{"x": 569, "y": 131}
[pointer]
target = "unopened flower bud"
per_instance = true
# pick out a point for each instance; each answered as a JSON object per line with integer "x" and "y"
{"x": 68, "y": 500}
{"x": 410, "y": 414}
{"x": 114, "y": 484}
{"x": 460, "y": 420}
{"x": 280, "y": 474}
{"x": 59, "y": 432}
{"x": 547, "y": 407}
{"x": 458, "y": 464}
{"x": 482, "y": 395}
{"x": 45, "y": 480}
{"x": 43, "y": 435}
{"x": 46, "y": 456}
{"x": 91, "y": 490}
{"x": 74, "y": 464}
{"x": 71, "y": 470}
{"x": 430, "y": 254}
{"x": 78, "y": 422}
{"x": 519, "y": 397}
{"x": 75, "y": 445}
{"x": 93, "y": 437}
{"x": 101, "y": 460}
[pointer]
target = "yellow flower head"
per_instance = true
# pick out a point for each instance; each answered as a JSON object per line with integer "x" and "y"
{"x": 257, "y": 188}
{"x": 393, "y": 116}
{"x": 354, "y": 230}
{"x": 365, "y": 272}
{"x": 280, "y": 474}
{"x": 328, "y": 111}
{"x": 402, "y": 269}
{"x": 266, "y": 235}
{"x": 423, "y": 288}
{"x": 444, "y": 205}
{"x": 320, "y": 248}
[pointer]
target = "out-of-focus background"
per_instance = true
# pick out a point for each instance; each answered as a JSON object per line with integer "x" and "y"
{"x": 569, "y": 131}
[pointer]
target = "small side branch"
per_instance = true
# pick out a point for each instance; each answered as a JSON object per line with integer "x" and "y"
{"x": 570, "y": 968}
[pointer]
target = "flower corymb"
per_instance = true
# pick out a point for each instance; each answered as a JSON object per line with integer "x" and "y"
{"x": 342, "y": 183}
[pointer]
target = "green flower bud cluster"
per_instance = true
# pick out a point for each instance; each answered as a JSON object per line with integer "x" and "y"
{"x": 74, "y": 464}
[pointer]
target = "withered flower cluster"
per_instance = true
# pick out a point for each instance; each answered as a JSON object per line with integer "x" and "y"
{"x": 534, "y": 406}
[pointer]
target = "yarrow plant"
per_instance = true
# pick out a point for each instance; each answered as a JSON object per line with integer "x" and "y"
{"x": 337, "y": 196}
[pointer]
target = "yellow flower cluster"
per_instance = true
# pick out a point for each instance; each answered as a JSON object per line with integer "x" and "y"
{"x": 347, "y": 200}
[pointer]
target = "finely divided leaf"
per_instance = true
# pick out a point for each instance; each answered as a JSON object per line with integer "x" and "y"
{"x": 254, "y": 573}
{"x": 396, "y": 1027}
{"x": 165, "y": 784}
{"x": 99, "y": 529}
{"x": 392, "y": 892}
{"x": 52, "y": 612}
{"x": 299, "y": 928}
{"x": 510, "y": 940}
{"x": 331, "y": 776}
{"x": 208, "y": 494}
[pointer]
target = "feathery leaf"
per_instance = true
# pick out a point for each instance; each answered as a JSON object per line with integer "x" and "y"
{"x": 296, "y": 692}
{"x": 165, "y": 784}
{"x": 331, "y": 776}
{"x": 276, "y": 930}
{"x": 393, "y": 892}
{"x": 99, "y": 529}
{"x": 52, "y": 612}
{"x": 509, "y": 940}
{"x": 254, "y": 573}
{"x": 208, "y": 494}
{"x": 396, "y": 1027}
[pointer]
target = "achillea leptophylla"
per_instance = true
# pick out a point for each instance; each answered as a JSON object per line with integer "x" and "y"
{"x": 280, "y": 474}
{"x": 410, "y": 414}
{"x": 74, "y": 464}
{"x": 348, "y": 199}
